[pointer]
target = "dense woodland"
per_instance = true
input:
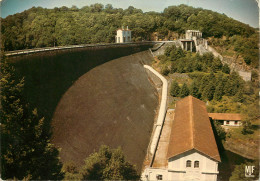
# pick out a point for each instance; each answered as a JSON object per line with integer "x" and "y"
{"x": 39, "y": 27}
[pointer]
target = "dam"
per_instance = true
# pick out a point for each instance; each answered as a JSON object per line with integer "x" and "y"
{"x": 92, "y": 96}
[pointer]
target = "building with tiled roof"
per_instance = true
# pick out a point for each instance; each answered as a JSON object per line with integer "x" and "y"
{"x": 192, "y": 150}
{"x": 227, "y": 119}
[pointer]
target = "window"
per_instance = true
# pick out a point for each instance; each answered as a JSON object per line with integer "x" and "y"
{"x": 235, "y": 122}
{"x": 196, "y": 164}
{"x": 227, "y": 122}
{"x": 159, "y": 177}
{"x": 188, "y": 163}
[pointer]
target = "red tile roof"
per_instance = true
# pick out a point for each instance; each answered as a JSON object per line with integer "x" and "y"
{"x": 191, "y": 130}
{"x": 226, "y": 116}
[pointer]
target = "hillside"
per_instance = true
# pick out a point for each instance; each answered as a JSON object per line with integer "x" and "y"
{"x": 39, "y": 27}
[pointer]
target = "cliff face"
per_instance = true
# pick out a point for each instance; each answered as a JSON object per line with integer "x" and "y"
{"x": 112, "y": 104}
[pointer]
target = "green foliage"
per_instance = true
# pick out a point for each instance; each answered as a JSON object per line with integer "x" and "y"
{"x": 40, "y": 27}
{"x": 184, "y": 90}
{"x": 245, "y": 46}
{"x": 219, "y": 92}
{"x": 208, "y": 91}
{"x": 108, "y": 164}
{"x": 194, "y": 89}
{"x": 239, "y": 172}
{"x": 239, "y": 96}
{"x": 71, "y": 171}
{"x": 175, "y": 89}
{"x": 225, "y": 69}
{"x": 247, "y": 127}
{"x": 165, "y": 70}
{"x": 220, "y": 131}
{"x": 26, "y": 151}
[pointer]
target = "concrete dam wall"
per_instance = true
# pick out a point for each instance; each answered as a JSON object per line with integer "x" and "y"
{"x": 92, "y": 97}
{"x": 113, "y": 104}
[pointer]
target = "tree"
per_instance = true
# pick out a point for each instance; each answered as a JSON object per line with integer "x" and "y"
{"x": 184, "y": 90}
{"x": 26, "y": 151}
{"x": 247, "y": 127}
{"x": 225, "y": 69}
{"x": 71, "y": 171}
{"x": 165, "y": 71}
{"x": 173, "y": 67}
{"x": 194, "y": 89}
{"x": 203, "y": 83}
{"x": 219, "y": 91}
{"x": 239, "y": 95}
{"x": 108, "y": 164}
{"x": 220, "y": 131}
{"x": 175, "y": 89}
{"x": 180, "y": 67}
{"x": 239, "y": 172}
{"x": 208, "y": 91}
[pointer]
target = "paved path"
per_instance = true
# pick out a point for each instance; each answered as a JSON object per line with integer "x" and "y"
{"x": 35, "y": 50}
{"x": 160, "y": 159}
{"x": 162, "y": 111}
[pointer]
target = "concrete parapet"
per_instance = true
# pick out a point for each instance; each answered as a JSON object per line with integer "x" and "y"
{"x": 162, "y": 112}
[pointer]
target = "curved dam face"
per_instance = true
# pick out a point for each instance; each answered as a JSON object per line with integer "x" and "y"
{"x": 48, "y": 75}
{"x": 112, "y": 104}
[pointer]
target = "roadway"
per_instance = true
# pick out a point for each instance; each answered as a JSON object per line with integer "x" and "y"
{"x": 36, "y": 50}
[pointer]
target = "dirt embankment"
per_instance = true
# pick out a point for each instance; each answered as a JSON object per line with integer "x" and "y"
{"x": 245, "y": 149}
{"x": 112, "y": 104}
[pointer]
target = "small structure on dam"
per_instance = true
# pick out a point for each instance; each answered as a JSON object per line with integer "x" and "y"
{"x": 193, "y": 39}
{"x": 191, "y": 152}
{"x": 123, "y": 35}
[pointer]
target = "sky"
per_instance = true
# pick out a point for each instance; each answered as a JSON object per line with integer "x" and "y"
{"x": 246, "y": 11}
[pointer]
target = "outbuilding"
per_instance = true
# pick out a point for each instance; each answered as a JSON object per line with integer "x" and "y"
{"x": 227, "y": 119}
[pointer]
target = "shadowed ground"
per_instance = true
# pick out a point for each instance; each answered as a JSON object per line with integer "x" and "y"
{"x": 112, "y": 104}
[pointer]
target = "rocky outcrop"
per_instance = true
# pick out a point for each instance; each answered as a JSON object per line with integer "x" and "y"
{"x": 235, "y": 63}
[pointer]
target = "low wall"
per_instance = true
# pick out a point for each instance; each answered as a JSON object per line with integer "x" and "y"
{"x": 161, "y": 115}
{"x": 45, "y": 49}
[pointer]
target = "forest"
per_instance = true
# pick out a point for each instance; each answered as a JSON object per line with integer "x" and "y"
{"x": 41, "y": 27}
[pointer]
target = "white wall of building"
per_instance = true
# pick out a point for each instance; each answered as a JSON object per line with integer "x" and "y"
{"x": 153, "y": 173}
{"x": 232, "y": 123}
{"x": 193, "y": 33}
{"x": 177, "y": 170}
{"x": 207, "y": 171}
{"x": 123, "y": 36}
